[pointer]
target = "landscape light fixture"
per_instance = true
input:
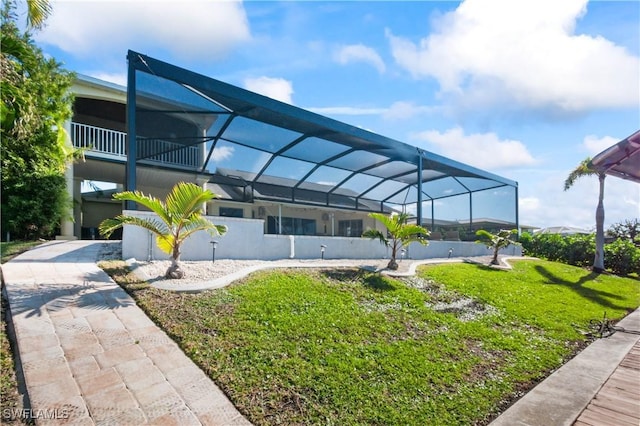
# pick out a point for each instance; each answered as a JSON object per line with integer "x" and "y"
{"x": 214, "y": 245}
{"x": 450, "y": 252}
{"x": 322, "y": 247}
{"x": 402, "y": 253}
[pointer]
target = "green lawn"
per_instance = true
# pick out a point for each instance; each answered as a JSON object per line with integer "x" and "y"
{"x": 14, "y": 248}
{"x": 454, "y": 346}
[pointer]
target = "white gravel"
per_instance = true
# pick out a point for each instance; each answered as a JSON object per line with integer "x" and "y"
{"x": 197, "y": 271}
{"x": 202, "y": 275}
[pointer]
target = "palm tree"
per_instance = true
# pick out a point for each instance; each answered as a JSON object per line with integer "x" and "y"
{"x": 37, "y": 12}
{"x": 497, "y": 241}
{"x": 179, "y": 216}
{"x": 399, "y": 234}
{"x": 585, "y": 168}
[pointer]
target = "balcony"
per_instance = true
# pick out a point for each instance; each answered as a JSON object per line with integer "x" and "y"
{"x": 112, "y": 144}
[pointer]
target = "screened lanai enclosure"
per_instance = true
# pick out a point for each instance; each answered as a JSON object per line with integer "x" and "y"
{"x": 251, "y": 148}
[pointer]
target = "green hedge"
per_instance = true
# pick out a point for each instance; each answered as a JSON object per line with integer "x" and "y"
{"x": 620, "y": 257}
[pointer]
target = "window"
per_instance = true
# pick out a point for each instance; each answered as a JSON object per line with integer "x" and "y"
{"x": 291, "y": 226}
{"x": 231, "y": 212}
{"x": 350, "y": 228}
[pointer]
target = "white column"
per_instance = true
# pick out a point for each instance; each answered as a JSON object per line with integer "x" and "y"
{"x": 67, "y": 222}
{"x": 203, "y": 183}
{"x": 77, "y": 207}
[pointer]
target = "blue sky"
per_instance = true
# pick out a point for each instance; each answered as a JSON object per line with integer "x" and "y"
{"x": 524, "y": 89}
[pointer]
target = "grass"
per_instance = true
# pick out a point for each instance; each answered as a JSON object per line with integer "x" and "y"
{"x": 454, "y": 346}
{"x": 11, "y": 249}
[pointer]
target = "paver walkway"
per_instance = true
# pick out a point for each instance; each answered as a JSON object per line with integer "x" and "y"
{"x": 562, "y": 397}
{"x": 618, "y": 401}
{"x": 91, "y": 356}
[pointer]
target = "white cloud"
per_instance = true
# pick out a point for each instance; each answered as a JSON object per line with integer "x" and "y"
{"x": 402, "y": 110}
{"x": 359, "y": 53}
{"x": 189, "y": 29}
{"x": 595, "y": 145}
{"x": 528, "y": 205}
{"x": 275, "y": 88}
{"x": 347, "y": 110}
{"x": 523, "y": 54}
{"x": 222, "y": 153}
{"x": 484, "y": 150}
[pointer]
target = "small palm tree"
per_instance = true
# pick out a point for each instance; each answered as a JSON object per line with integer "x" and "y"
{"x": 400, "y": 234}
{"x": 502, "y": 239}
{"x": 585, "y": 168}
{"x": 180, "y": 217}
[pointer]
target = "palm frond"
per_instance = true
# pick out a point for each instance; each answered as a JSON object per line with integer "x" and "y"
{"x": 152, "y": 203}
{"x": 201, "y": 224}
{"x": 383, "y": 219}
{"x": 583, "y": 169}
{"x": 187, "y": 198}
{"x": 37, "y": 12}
{"x": 166, "y": 242}
{"x": 108, "y": 226}
{"x": 413, "y": 232}
{"x": 375, "y": 234}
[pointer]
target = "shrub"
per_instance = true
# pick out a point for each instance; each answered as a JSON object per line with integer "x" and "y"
{"x": 579, "y": 249}
{"x": 548, "y": 246}
{"x": 622, "y": 257}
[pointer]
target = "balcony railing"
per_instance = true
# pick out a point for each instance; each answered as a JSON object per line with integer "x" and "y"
{"x": 114, "y": 143}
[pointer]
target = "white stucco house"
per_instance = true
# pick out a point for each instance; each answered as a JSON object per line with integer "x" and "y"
{"x": 278, "y": 170}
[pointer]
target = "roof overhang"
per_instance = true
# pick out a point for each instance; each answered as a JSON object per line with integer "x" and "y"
{"x": 621, "y": 160}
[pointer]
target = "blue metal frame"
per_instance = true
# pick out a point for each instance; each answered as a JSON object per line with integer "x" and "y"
{"x": 237, "y": 102}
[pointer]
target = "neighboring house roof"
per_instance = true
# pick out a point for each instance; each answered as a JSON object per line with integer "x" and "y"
{"x": 563, "y": 230}
{"x": 622, "y": 159}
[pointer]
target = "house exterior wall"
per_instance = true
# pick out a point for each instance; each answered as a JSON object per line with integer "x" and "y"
{"x": 94, "y": 212}
{"x": 327, "y": 220}
{"x": 245, "y": 239}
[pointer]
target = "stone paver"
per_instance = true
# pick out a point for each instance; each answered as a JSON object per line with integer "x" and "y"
{"x": 90, "y": 356}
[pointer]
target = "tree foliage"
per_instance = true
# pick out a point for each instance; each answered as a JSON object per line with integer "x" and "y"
{"x": 628, "y": 230}
{"x": 501, "y": 239}
{"x": 399, "y": 234}
{"x": 37, "y": 12}
{"x": 179, "y": 217}
{"x": 35, "y": 104}
{"x": 621, "y": 256}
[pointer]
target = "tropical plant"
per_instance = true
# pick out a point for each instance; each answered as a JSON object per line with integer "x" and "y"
{"x": 36, "y": 103}
{"x": 628, "y": 230}
{"x": 179, "y": 217}
{"x": 499, "y": 240}
{"x": 37, "y": 12}
{"x": 399, "y": 234}
{"x": 622, "y": 257}
{"x": 586, "y": 168}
